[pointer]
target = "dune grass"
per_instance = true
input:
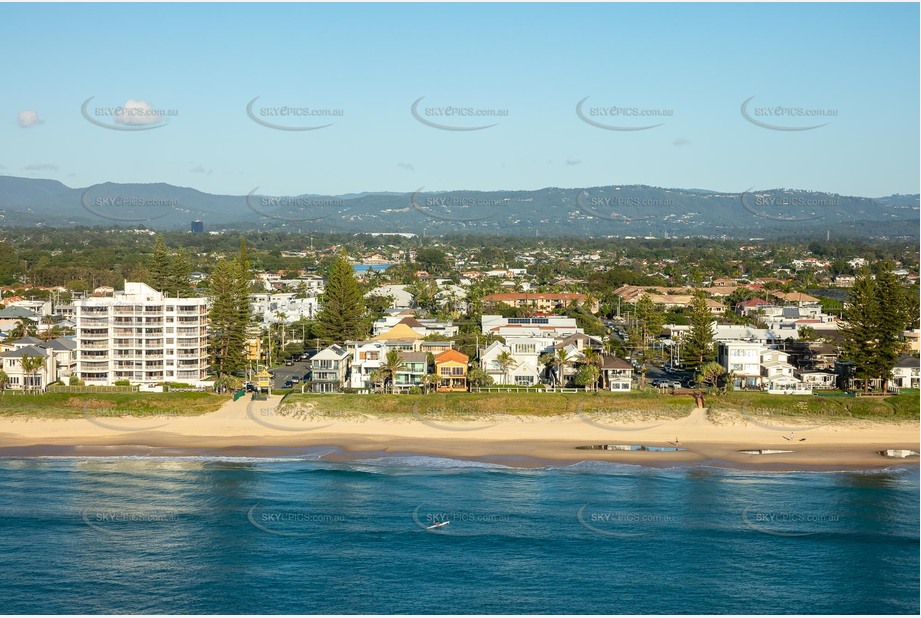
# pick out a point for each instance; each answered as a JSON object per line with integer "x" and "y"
{"x": 633, "y": 405}
{"x": 70, "y": 405}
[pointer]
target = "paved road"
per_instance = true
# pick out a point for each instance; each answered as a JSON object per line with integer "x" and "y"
{"x": 282, "y": 373}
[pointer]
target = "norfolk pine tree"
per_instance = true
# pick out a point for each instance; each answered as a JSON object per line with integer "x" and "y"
{"x": 229, "y": 316}
{"x": 698, "y": 345}
{"x": 343, "y": 307}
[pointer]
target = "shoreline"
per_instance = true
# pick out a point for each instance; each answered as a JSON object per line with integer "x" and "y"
{"x": 247, "y": 429}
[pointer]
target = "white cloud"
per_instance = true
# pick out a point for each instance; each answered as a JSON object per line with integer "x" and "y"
{"x": 137, "y": 113}
{"x": 28, "y": 119}
{"x": 41, "y": 167}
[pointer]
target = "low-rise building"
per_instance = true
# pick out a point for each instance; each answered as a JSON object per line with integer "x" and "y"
{"x": 451, "y": 369}
{"x": 328, "y": 369}
{"x": 616, "y": 373}
{"x": 906, "y": 373}
{"x": 412, "y": 371}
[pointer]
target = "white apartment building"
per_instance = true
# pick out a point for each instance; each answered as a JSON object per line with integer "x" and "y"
{"x": 547, "y": 326}
{"x": 422, "y": 326}
{"x": 267, "y": 308}
{"x": 142, "y": 336}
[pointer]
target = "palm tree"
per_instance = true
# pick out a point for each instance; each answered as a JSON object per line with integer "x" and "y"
{"x": 591, "y": 357}
{"x": 30, "y": 365}
{"x": 506, "y": 361}
{"x": 391, "y": 365}
{"x": 378, "y": 378}
{"x": 430, "y": 382}
{"x": 4, "y": 380}
{"x": 560, "y": 362}
{"x": 23, "y": 328}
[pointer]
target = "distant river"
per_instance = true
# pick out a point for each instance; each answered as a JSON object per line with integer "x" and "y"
{"x": 300, "y": 535}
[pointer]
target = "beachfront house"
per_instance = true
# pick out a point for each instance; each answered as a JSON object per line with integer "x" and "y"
{"x": 366, "y": 357}
{"x": 742, "y": 359}
{"x": 817, "y": 379}
{"x": 451, "y": 369}
{"x": 328, "y": 369}
{"x": 906, "y": 373}
{"x": 524, "y": 369}
{"x": 616, "y": 373}
{"x": 35, "y": 379}
{"x": 412, "y": 371}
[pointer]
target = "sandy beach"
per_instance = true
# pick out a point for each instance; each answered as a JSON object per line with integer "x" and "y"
{"x": 257, "y": 428}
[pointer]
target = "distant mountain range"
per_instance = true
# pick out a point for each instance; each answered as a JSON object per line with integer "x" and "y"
{"x": 623, "y": 210}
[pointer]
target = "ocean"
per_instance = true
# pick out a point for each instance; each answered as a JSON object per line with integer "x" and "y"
{"x": 303, "y": 535}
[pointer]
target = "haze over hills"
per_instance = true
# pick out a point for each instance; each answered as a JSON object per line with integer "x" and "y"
{"x": 621, "y": 210}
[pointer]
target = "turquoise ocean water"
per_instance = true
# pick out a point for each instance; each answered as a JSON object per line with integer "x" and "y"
{"x": 303, "y": 535}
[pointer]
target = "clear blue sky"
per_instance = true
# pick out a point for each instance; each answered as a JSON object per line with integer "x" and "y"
{"x": 372, "y": 61}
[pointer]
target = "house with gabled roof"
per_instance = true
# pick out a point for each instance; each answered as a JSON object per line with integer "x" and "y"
{"x": 328, "y": 369}
{"x": 58, "y": 356}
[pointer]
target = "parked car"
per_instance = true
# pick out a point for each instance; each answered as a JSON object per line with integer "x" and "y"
{"x": 289, "y": 362}
{"x": 676, "y": 384}
{"x": 295, "y": 379}
{"x": 288, "y": 384}
{"x": 659, "y": 383}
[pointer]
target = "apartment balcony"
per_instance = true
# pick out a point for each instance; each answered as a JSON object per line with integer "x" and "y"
{"x": 93, "y": 322}
{"x": 88, "y": 345}
{"x": 94, "y": 356}
{"x": 84, "y": 366}
{"x": 94, "y": 376}
{"x": 102, "y": 333}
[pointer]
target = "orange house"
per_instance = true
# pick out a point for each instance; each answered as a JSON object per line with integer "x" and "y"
{"x": 451, "y": 369}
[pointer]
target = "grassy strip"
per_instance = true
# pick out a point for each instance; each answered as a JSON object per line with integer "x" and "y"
{"x": 474, "y": 406}
{"x": 68, "y": 405}
{"x": 897, "y": 408}
{"x": 633, "y": 406}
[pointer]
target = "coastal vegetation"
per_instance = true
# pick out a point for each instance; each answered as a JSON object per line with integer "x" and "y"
{"x": 76, "y": 406}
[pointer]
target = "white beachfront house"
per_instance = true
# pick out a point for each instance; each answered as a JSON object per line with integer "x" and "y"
{"x": 328, "y": 369}
{"x": 817, "y": 378}
{"x": 906, "y": 373}
{"x": 616, "y": 373}
{"x": 743, "y": 360}
{"x": 526, "y": 369}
